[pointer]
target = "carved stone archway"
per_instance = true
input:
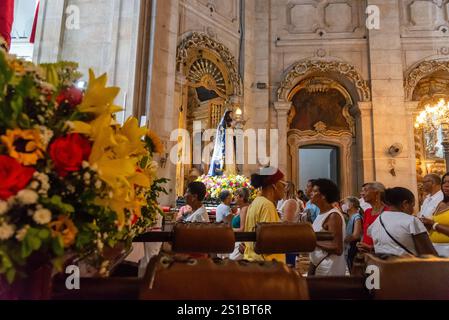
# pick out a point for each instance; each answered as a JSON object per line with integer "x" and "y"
{"x": 196, "y": 41}
{"x": 425, "y": 83}
{"x": 358, "y": 91}
{"x": 207, "y": 65}
{"x": 420, "y": 71}
{"x": 302, "y": 69}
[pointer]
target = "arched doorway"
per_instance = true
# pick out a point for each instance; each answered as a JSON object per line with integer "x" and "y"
{"x": 322, "y": 128}
{"x": 345, "y": 122}
{"x": 208, "y": 84}
{"x": 426, "y": 83}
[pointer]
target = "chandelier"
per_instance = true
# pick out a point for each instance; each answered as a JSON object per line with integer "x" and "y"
{"x": 433, "y": 115}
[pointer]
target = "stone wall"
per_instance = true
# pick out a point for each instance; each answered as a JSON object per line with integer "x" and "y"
{"x": 105, "y": 40}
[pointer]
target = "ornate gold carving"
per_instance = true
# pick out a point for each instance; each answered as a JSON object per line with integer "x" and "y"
{"x": 291, "y": 116}
{"x": 204, "y": 72}
{"x": 422, "y": 70}
{"x": 320, "y": 127}
{"x": 305, "y": 67}
{"x": 321, "y": 132}
{"x": 321, "y": 84}
{"x": 343, "y": 140}
{"x": 197, "y": 41}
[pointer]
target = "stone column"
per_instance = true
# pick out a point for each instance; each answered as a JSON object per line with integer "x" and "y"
{"x": 367, "y": 160}
{"x": 387, "y": 83}
{"x": 411, "y": 108}
{"x": 282, "y": 108}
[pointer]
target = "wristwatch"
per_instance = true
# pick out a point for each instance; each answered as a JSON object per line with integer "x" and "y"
{"x": 435, "y": 226}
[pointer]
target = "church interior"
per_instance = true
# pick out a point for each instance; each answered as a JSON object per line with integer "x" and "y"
{"x": 166, "y": 149}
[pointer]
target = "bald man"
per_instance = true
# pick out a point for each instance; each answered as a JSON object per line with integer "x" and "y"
{"x": 431, "y": 186}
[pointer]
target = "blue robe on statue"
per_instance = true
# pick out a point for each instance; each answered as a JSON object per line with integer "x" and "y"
{"x": 217, "y": 163}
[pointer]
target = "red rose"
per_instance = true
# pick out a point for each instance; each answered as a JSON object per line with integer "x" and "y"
{"x": 69, "y": 152}
{"x": 72, "y": 96}
{"x": 13, "y": 177}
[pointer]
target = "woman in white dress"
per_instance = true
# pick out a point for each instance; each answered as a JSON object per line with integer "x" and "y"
{"x": 396, "y": 231}
{"x": 328, "y": 258}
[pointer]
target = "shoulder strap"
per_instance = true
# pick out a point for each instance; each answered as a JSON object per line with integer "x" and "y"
{"x": 392, "y": 238}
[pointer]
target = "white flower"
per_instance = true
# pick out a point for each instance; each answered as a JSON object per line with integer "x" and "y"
{"x": 98, "y": 184}
{"x": 46, "y": 134}
{"x": 42, "y": 216}
{"x": 3, "y": 207}
{"x": 34, "y": 185}
{"x": 27, "y": 196}
{"x": 6, "y": 231}
{"x": 100, "y": 245}
{"x": 86, "y": 176}
{"x": 71, "y": 189}
{"x": 85, "y": 164}
{"x": 20, "y": 235}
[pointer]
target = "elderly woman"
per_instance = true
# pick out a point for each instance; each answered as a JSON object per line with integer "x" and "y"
{"x": 328, "y": 258}
{"x": 438, "y": 224}
{"x": 372, "y": 193}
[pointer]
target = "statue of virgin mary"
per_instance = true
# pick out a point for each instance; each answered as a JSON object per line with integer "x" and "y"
{"x": 223, "y": 157}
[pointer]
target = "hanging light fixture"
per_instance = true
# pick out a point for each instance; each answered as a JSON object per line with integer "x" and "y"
{"x": 434, "y": 116}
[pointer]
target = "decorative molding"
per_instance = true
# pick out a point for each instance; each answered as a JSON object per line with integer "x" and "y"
{"x": 444, "y": 51}
{"x": 324, "y": 19}
{"x": 321, "y": 129}
{"x": 322, "y": 84}
{"x": 306, "y": 67}
{"x": 226, "y": 23}
{"x": 342, "y": 140}
{"x": 420, "y": 71}
{"x": 200, "y": 41}
{"x": 289, "y": 41}
{"x": 424, "y": 18}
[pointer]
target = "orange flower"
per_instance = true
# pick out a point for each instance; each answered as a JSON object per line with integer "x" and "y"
{"x": 65, "y": 228}
{"x": 158, "y": 147}
{"x": 24, "y": 145}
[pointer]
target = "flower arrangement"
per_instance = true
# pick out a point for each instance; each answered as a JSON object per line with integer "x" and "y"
{"x": 72, "y": 180}
{"x": 216, "y": 184}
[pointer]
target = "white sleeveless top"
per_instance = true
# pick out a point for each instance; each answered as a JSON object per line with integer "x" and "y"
{"x": 328, "y": 264}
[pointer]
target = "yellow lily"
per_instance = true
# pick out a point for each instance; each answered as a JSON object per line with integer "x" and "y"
{"x": 99, "y": 99}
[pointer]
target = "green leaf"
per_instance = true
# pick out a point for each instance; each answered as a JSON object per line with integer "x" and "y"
{"x": 10, "y": 275}
{"x": 58, "y": 263}
{"x": 44, "y": 234}
{"x": 33, "y": 242}
{"x": 24, "y": 121}
{"x": 25, "y": 249}
{"x": 58, "y": 246}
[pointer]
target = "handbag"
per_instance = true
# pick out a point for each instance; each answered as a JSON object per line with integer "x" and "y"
{"x": 313, "y": 267}
{"x": 394, "y": 239}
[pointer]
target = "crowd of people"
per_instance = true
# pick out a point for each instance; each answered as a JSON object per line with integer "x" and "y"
{"x": 380, "y": 221}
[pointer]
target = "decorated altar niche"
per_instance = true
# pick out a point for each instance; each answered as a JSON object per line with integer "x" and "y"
{"x": 208, "y": 84}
